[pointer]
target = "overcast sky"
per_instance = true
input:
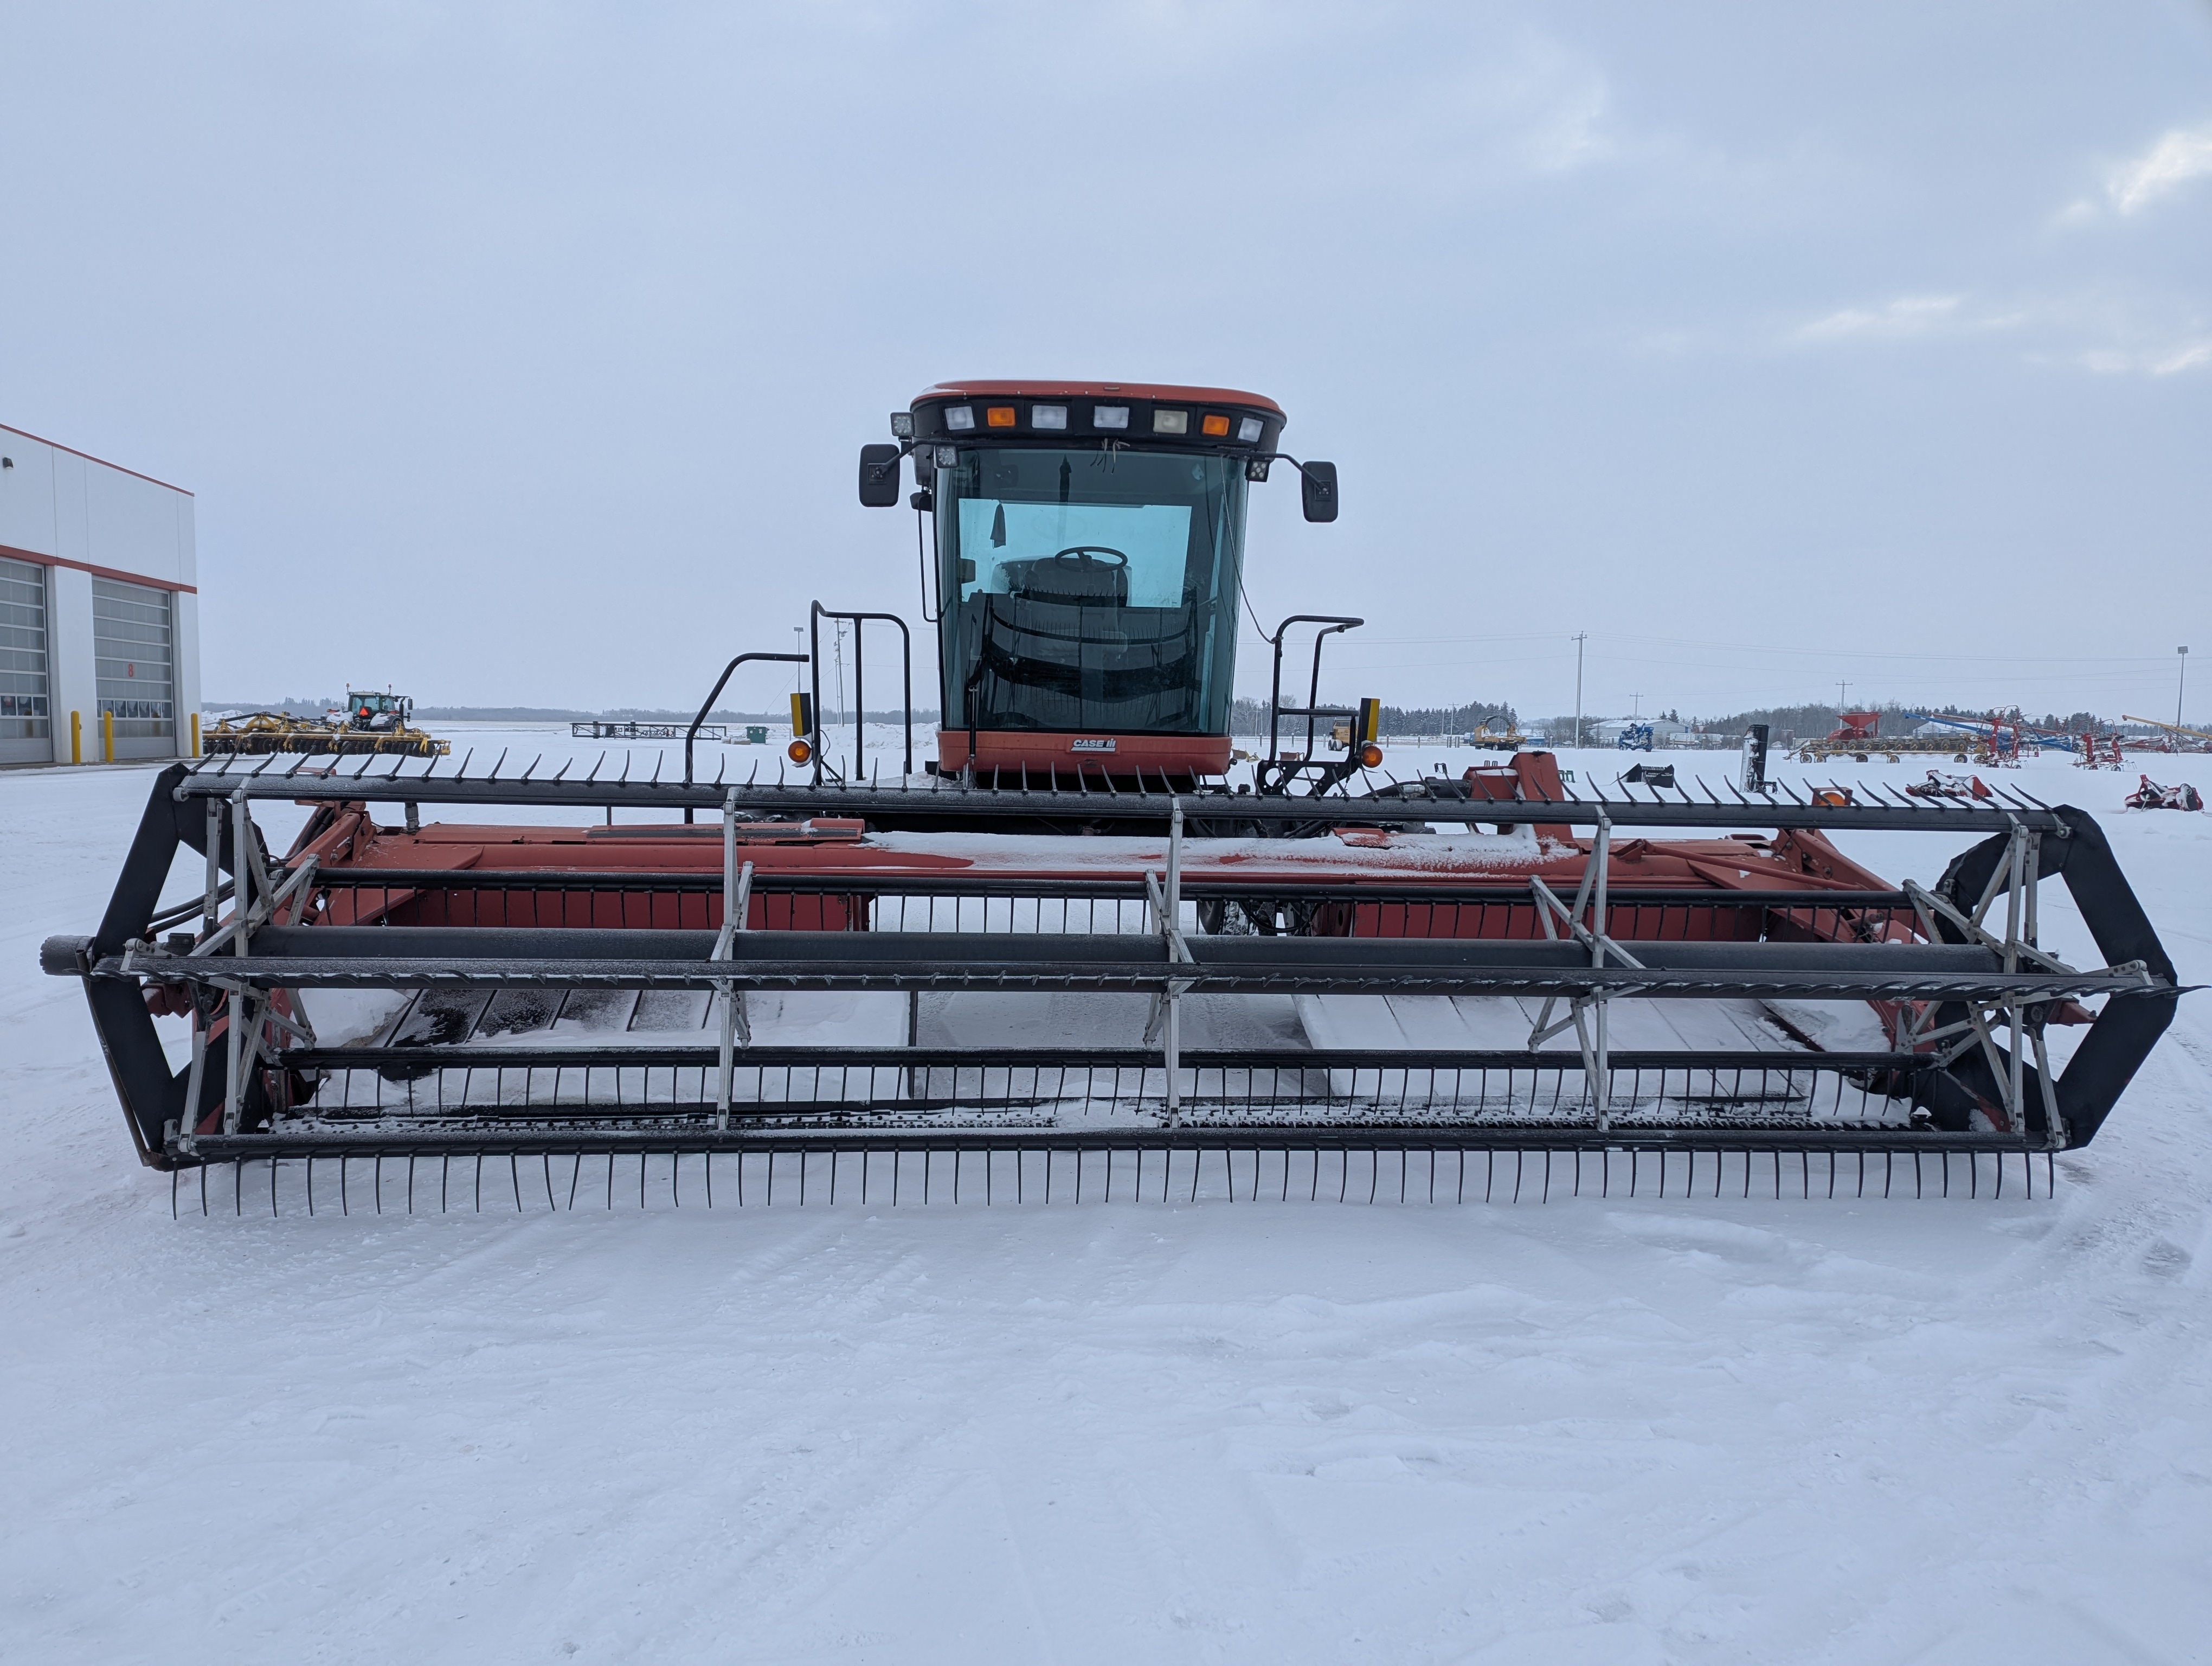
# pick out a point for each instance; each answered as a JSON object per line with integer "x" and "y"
{"x": 521, "y": 355}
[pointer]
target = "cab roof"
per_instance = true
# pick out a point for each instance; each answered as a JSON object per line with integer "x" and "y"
{"x": 1168, "y": 392}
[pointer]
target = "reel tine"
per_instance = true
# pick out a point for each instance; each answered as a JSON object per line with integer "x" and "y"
{"x": 1176, "y": 1186}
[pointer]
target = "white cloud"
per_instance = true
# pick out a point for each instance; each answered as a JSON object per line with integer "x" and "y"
{"x": 2103, "y": 337}
{"x": 1907, "y": 315}
{"x": 2179, "y": 156}
{"x": 2168, "y": 360}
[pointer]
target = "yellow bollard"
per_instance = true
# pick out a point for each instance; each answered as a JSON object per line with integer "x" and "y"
{"x": 107, "y": 736}
{"x": 77, "y": 737}
{"x": 196, "y": 734}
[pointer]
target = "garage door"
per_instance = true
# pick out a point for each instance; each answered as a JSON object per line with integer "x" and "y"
{"x": 131, "y": 638}
{"x": 26, "y": 726}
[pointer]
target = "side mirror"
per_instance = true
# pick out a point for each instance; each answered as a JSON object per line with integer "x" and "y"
{"x": 1317, "y": 489}
{"x": 880, "y": 478}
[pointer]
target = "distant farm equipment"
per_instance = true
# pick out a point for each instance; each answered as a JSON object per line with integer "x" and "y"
{"x": 2151, "y": 796}
{"x": 1487, "y": 735}
{"x": 1856, "y": 734}
{"x": 369, "y": 723}
{"x": 1962, "y": 789}
{"x": 2003, "y": 737}
{"x": 2176, "y": 737}
{"x": 2097, "y": 751}
{"x": 593, "y": 729}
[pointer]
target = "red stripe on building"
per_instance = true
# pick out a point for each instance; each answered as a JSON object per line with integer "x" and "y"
{"x": 14, "y": 554}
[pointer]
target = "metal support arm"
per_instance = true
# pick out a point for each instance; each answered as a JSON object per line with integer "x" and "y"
{"x": 691, "y": 734}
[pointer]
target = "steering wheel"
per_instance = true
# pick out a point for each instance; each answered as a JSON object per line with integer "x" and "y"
{"x": 1083, "y": 553}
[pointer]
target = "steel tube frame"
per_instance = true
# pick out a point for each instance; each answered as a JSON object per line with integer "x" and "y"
{"x": 691, "y": 734}
{"x": 945, "y": 795}
{"x": 1332, "y": 625}
{"x": 1961, "y": 972}
{"x": 703, "y": 1137}
{"x": 815, "y": 614}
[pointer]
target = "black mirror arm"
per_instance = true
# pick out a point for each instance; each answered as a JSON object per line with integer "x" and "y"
{"x": 1278, "y": 457}
{"x": 890, "y": 464}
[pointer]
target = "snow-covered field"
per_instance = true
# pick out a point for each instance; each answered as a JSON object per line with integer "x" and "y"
{"x": 1587, "y": 1431}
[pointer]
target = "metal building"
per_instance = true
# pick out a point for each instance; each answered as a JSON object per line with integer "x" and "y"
{"x": 98, "y": 609}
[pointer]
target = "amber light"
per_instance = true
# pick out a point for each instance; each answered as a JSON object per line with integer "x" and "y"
{"x": 798, "y": 751}
{"x": 1215, "y": 427}
{"x": 1370, "y": 755}
{"x": 999, "y": 416}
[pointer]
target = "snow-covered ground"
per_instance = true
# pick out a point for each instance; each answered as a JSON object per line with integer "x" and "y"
{"x": 1587, "y": 1430}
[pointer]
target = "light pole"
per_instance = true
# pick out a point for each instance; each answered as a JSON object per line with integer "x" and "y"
{"x": 1579, "y": 637}
{"x": 2180, "y": 685}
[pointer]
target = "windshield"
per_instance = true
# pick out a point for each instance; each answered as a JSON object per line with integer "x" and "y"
{"x": 1091, "y": 590}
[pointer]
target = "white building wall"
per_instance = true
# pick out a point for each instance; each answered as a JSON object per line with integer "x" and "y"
{"x": 70, "y": 542}
{"x": 27, "y": 495}
{"x": 188, "y": 665}
{"x": 73, "y": 513}
{"x": 69, "y": 651}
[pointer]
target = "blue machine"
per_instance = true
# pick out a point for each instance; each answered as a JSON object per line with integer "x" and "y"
{"x": 1996, "y": 735}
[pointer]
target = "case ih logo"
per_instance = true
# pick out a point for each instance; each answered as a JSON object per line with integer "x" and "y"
{"x": 1087, "y": 746}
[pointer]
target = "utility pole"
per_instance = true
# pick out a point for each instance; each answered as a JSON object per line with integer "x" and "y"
{"x": 1843, "y": 690}
{"x": 1579, "y": 637}
{"x": 840, "y": 671}
{"x": 2181, "y": 686}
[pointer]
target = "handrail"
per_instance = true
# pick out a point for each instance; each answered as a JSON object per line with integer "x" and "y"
{"x": 1335, "y": 622}
{"x": 816, "y": 614}
{"x": 691, "y": 734}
